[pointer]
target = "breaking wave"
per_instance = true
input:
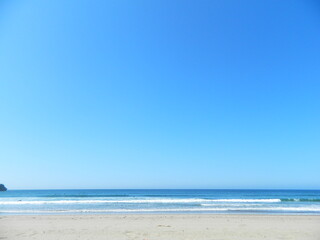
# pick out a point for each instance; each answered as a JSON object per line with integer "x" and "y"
{"x": 141, "y": 201}
{"x": 266, "y": 209}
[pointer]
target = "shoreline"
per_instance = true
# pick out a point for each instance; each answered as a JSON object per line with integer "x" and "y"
{"x": 83, "y": 215}
{"x": 160, "y": 226}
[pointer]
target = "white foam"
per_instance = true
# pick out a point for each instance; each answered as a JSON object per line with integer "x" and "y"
{"x": 245, "y": 200}
{"x": 285, "y": 209}
{"x": 115, "y": 210}
{"x": 231, "y": 204}
{"x": 140, "y": 201}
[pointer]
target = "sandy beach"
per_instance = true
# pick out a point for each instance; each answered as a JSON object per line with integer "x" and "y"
{"x": 118, "y": 227}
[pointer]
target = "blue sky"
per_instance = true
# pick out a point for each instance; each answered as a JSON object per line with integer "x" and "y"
{"x": 160, "y": 94}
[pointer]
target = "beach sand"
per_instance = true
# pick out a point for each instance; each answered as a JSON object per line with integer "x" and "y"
{"x": 166, "y": 227}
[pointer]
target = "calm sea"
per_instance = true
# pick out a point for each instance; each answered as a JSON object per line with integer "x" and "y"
{"x": 160, "y": 201}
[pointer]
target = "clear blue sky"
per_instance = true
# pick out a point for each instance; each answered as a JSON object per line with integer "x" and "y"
{"x": 160, "y": 94}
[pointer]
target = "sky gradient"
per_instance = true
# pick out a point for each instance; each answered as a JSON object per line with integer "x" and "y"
{"x": 160, "y": 94}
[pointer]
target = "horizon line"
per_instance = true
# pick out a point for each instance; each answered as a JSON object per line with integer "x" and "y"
{"x": 43, "y": 189}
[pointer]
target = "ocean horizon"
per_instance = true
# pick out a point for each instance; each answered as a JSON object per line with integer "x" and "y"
{"x": 162, "y": 201}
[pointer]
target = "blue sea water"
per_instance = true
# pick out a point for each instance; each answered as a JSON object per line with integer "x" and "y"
{"x": 160, "y": 201}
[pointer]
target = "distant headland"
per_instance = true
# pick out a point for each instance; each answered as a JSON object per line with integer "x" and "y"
{"x": 2, "y": 188}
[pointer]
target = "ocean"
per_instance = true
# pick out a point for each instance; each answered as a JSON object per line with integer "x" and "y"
{"x": 306, "y": 202}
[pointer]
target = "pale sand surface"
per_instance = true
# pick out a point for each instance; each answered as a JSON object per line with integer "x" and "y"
{"x": 166, "y": 227}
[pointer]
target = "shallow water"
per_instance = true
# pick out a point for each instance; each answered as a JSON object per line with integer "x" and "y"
{"x": 160, "y": 201}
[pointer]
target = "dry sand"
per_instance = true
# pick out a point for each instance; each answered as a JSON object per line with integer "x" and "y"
{"x": 166, "y": 227}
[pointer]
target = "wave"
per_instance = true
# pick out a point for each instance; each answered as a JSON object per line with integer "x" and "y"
{"x": 271, "y": 209}
{"x": 300, "y": 200}
{"x": 278, "y": 209}
{"x": 83, "y": 195}
{"x": 115, "y": 210}
{"x": 230, "y": 204}
{"x": 21, "y": 202}
{"x": 163, "y": 200}
{"x": 243, "y": 200}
